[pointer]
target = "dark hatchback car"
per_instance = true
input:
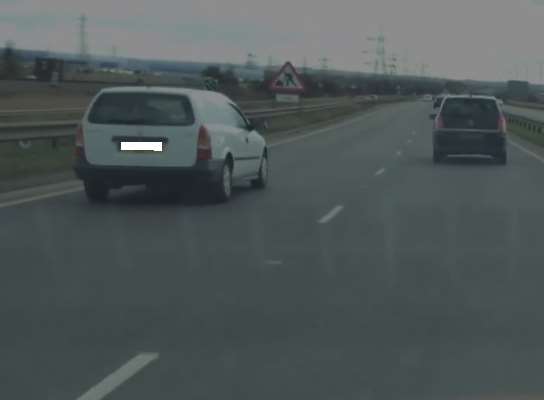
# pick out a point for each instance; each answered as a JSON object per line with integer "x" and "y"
{"x": 469, "y": 125}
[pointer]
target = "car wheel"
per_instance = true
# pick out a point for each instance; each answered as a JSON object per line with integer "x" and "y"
{"x": 222, "y": 187}
{"x": 262, "y": 177}
{"x": 502, "y": 158}
{"x": 96, "y": 191}
{"x": 437, "y": 157}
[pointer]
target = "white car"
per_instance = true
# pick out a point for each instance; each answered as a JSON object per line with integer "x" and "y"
{"x": 167, "y": 136}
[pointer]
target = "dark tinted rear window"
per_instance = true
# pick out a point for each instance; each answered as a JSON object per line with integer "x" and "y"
{"x": 467, "y": 113}
{"x": 142, "y": 109}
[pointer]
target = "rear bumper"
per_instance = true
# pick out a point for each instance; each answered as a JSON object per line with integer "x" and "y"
{"x": 474, "y": 143}
{"x": 202, "y": 171}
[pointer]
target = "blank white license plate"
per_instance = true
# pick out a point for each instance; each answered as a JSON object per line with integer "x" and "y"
{"x": 141, "y": 146}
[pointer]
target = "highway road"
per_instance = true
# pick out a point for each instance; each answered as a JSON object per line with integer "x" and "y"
{"x": 363, "y": 272}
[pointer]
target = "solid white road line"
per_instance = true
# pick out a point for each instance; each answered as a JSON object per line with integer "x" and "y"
{"x": 117, "y": 378}
{"x": 331, "y": 214}
{"x": 379, "y": 172}
{"x": 526, "y": 151}
{"x": 39, "y": 197}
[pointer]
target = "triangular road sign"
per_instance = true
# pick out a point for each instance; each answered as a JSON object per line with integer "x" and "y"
{"x": 287, "y": 80}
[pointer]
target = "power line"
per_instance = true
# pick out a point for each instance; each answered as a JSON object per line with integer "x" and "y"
{"x": 540, "y": 70}
{"x": 324, "y": 62}
{"x": 380, "y": 60}
{"x": 393, "y": 67}
{"x": 83, "y": 44}
{"x": 251, "y": 61}
{"x": 404, "y": 64}
{"x": 423, "y": 69}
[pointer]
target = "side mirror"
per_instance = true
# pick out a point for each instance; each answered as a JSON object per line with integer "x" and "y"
{"x": 257, "y": 124}
{"x": 432, "y": 116}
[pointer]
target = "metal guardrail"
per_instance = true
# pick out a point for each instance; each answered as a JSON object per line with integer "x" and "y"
{"x": 66, "y": 128}
{"x": 524, "y": 122}
{"x": 59, "y": 129}
{"x": 243, "y": 103}
{"x": 5, "y": 113}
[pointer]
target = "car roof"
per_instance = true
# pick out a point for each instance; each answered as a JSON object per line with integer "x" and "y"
{"x": 165, "y": 90}
{"x": 468, "y": 96}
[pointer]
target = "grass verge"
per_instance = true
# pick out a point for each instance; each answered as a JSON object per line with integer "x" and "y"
{"x": 40, "y": 158}
{"x": 533, "y": 137}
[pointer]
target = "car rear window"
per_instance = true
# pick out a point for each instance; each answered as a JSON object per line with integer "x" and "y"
{"x": 142, "y": 109}
{"x": 467, "y": 113}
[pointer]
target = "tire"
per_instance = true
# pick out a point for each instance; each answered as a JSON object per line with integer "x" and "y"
{"x": 262, "y": 176}
{"x": 502, "y": 158}
{"x": 96, "y": 191}
{"x": 222, "y": 187}
{"x": 437, "y": 157}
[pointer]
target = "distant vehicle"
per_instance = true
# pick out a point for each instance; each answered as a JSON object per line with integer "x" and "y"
{"x": 469, "y": 125}
{"x": 374, "y": 97}
{"x": 427, "y": 97}
{"x": 438, "y": 101}
{"x": 167, "y": 136}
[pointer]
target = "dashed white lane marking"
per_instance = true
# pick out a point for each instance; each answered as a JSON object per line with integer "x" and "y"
{"x": 331, "y": 214}
{"x": 526, "y": 151}
{"x": 413, "y": 133}
{"x": 409, "y": 141}
{"x": 39, "y": 197}
{"x": 118, "y": 377}
{"x": 399, "y": 153}
{"x": 379, "y": 172}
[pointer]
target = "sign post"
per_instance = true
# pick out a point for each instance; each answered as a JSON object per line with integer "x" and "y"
{"x": 287, "y": 84}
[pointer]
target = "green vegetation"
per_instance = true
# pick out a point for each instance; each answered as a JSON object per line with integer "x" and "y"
{"x": 226, "y": 78}
{"x": 295, "y": 121}
{"x": 531, "y": 136}
{"x": 40, "y": 158}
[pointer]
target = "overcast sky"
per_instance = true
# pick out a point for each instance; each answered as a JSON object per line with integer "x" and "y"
{"x": 480, "y": 39}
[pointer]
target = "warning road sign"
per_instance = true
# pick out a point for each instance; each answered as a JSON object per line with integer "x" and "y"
{"x": 287, "y": 80}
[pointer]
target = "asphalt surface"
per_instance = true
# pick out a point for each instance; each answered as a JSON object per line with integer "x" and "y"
{"x": 363, "y": 272}
{"x": 537, "y": 115}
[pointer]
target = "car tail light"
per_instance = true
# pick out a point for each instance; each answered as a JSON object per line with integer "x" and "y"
{"x": 79, "y": 150}
{"x": 79, "y": 136}
{"x": 502, "y": 124}
{"x": 438, "y": 123}
{"x": 204, "y": 144}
